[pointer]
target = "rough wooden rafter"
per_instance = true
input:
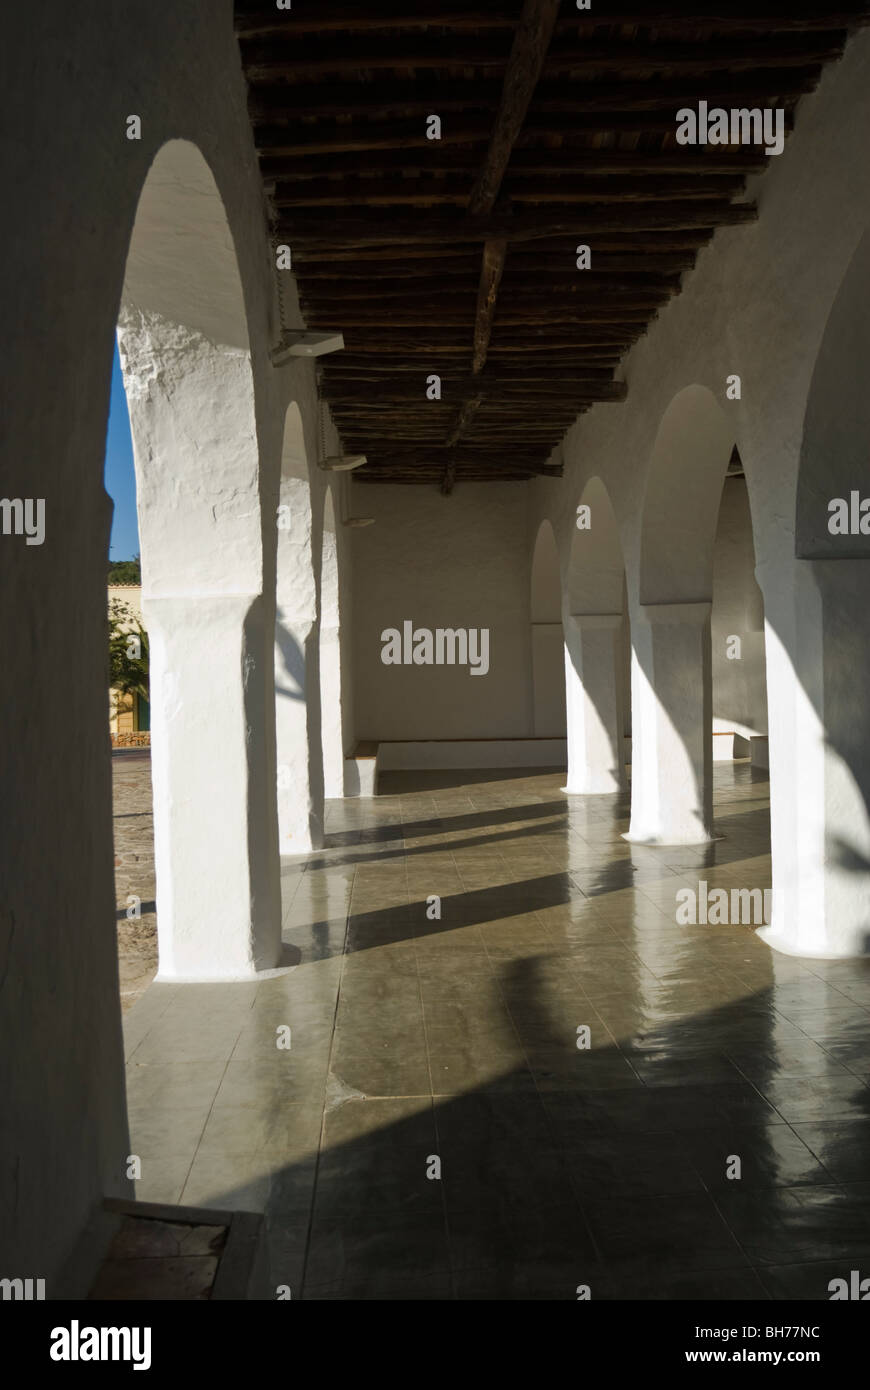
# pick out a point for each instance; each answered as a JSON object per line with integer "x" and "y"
{"x": 457, "y": 256}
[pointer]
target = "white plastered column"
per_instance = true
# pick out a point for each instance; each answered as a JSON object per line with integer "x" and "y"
{"x": 330, "y": 659}
{"x": 214, "y": 906}
{"x": 593, "y": 660}
{"x": 299, "y": 788}
{"x": 210, "y": 629}
{"x": 330, "y": 708}
{"x": 672, "y": 755}
{"x": 820, "y": 761}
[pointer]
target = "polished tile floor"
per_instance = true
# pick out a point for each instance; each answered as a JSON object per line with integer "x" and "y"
{"x": 434, "y": 1131}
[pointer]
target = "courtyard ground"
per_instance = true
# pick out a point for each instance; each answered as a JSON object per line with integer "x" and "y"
{"x": 134, "y": 871}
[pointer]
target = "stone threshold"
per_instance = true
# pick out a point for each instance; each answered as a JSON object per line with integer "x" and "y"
{"x": 186, "y": 1254}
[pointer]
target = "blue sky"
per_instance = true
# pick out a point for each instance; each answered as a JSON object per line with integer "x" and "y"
{"x": 120, "y": 479}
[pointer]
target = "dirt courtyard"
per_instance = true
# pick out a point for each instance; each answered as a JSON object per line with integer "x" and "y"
{"x": 134, "y": 871}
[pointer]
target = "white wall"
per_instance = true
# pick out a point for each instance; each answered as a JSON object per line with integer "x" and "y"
{"x": 458, "y": 561}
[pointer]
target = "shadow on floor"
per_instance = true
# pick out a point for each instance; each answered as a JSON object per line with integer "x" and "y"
{"x": 435, "y": 1132}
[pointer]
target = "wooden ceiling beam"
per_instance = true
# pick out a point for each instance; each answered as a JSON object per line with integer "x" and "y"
{"x": 304, "y": 64}
{"x": 650, "y": 265}
{"x": 429, "y": 258}
{"x": 525, "y": 188}
{"x": 698, "y": 58}
{"x": 540, "y": 132}
{"x": 570, "y": 161}
{"x": 491, "y": 271}
{"x": 406, "y": 412}
{"x": 379, "y": 100}
{"x": 356, "y": 292}
{"x": 289, "y": 60}
{"x": 387, "y": 395}
{"x": 529, "y": 49}
{"x": 739, "y": 16}
{"x": 395, "y": 368}
{"x": 409, "y": 461}
{"x": 310, "y": 141}
{"x": 538, "y": 320}
{"x": 519, "y": 295}
{"x": 489, "y": 476}
{"x": 397, "y": 231}
{"x": 261, "y": 19}
{"x": 578, "y": 350}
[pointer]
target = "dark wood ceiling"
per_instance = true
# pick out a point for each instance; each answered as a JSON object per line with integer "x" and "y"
{"x": 457, "y": 256}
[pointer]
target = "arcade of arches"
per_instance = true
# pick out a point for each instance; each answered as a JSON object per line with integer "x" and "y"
{"x": 458, "y": 885}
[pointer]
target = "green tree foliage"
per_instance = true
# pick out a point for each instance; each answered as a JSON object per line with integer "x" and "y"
{"x": 128, "y": 651}
{"x": 125, "y": 571}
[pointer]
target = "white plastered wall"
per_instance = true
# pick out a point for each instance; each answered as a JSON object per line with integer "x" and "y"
{"x": 463, "y": 562}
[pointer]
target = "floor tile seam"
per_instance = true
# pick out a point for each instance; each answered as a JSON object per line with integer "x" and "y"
{"x": 444, "y": 1211}
{"x": 147, "y": 1033}
{"x": 823, "y": 1046}
{"x": 206, "y": 1120}
{"x": 817, "y": 1156}
{"x": 712, "y": 1192}
{"x": 332, "y": 1047}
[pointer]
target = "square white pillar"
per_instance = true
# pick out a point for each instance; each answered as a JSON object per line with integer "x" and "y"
{"x": 593, "y": 665}
{"x": 672, "y": 755}
{"x": 218, "y": 882}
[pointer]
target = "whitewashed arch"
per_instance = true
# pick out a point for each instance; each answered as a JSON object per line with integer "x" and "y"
{"x": 596, "y": 569}
{"x": 681, "y": 502}
{"x": 185, "y": 355}
{"x": 671, "y": 683}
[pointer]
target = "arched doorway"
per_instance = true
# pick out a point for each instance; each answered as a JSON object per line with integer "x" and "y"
{"x": 672, "y": 700}
{"x": 737, "y": 629}
{"x": 183, "y": 339}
